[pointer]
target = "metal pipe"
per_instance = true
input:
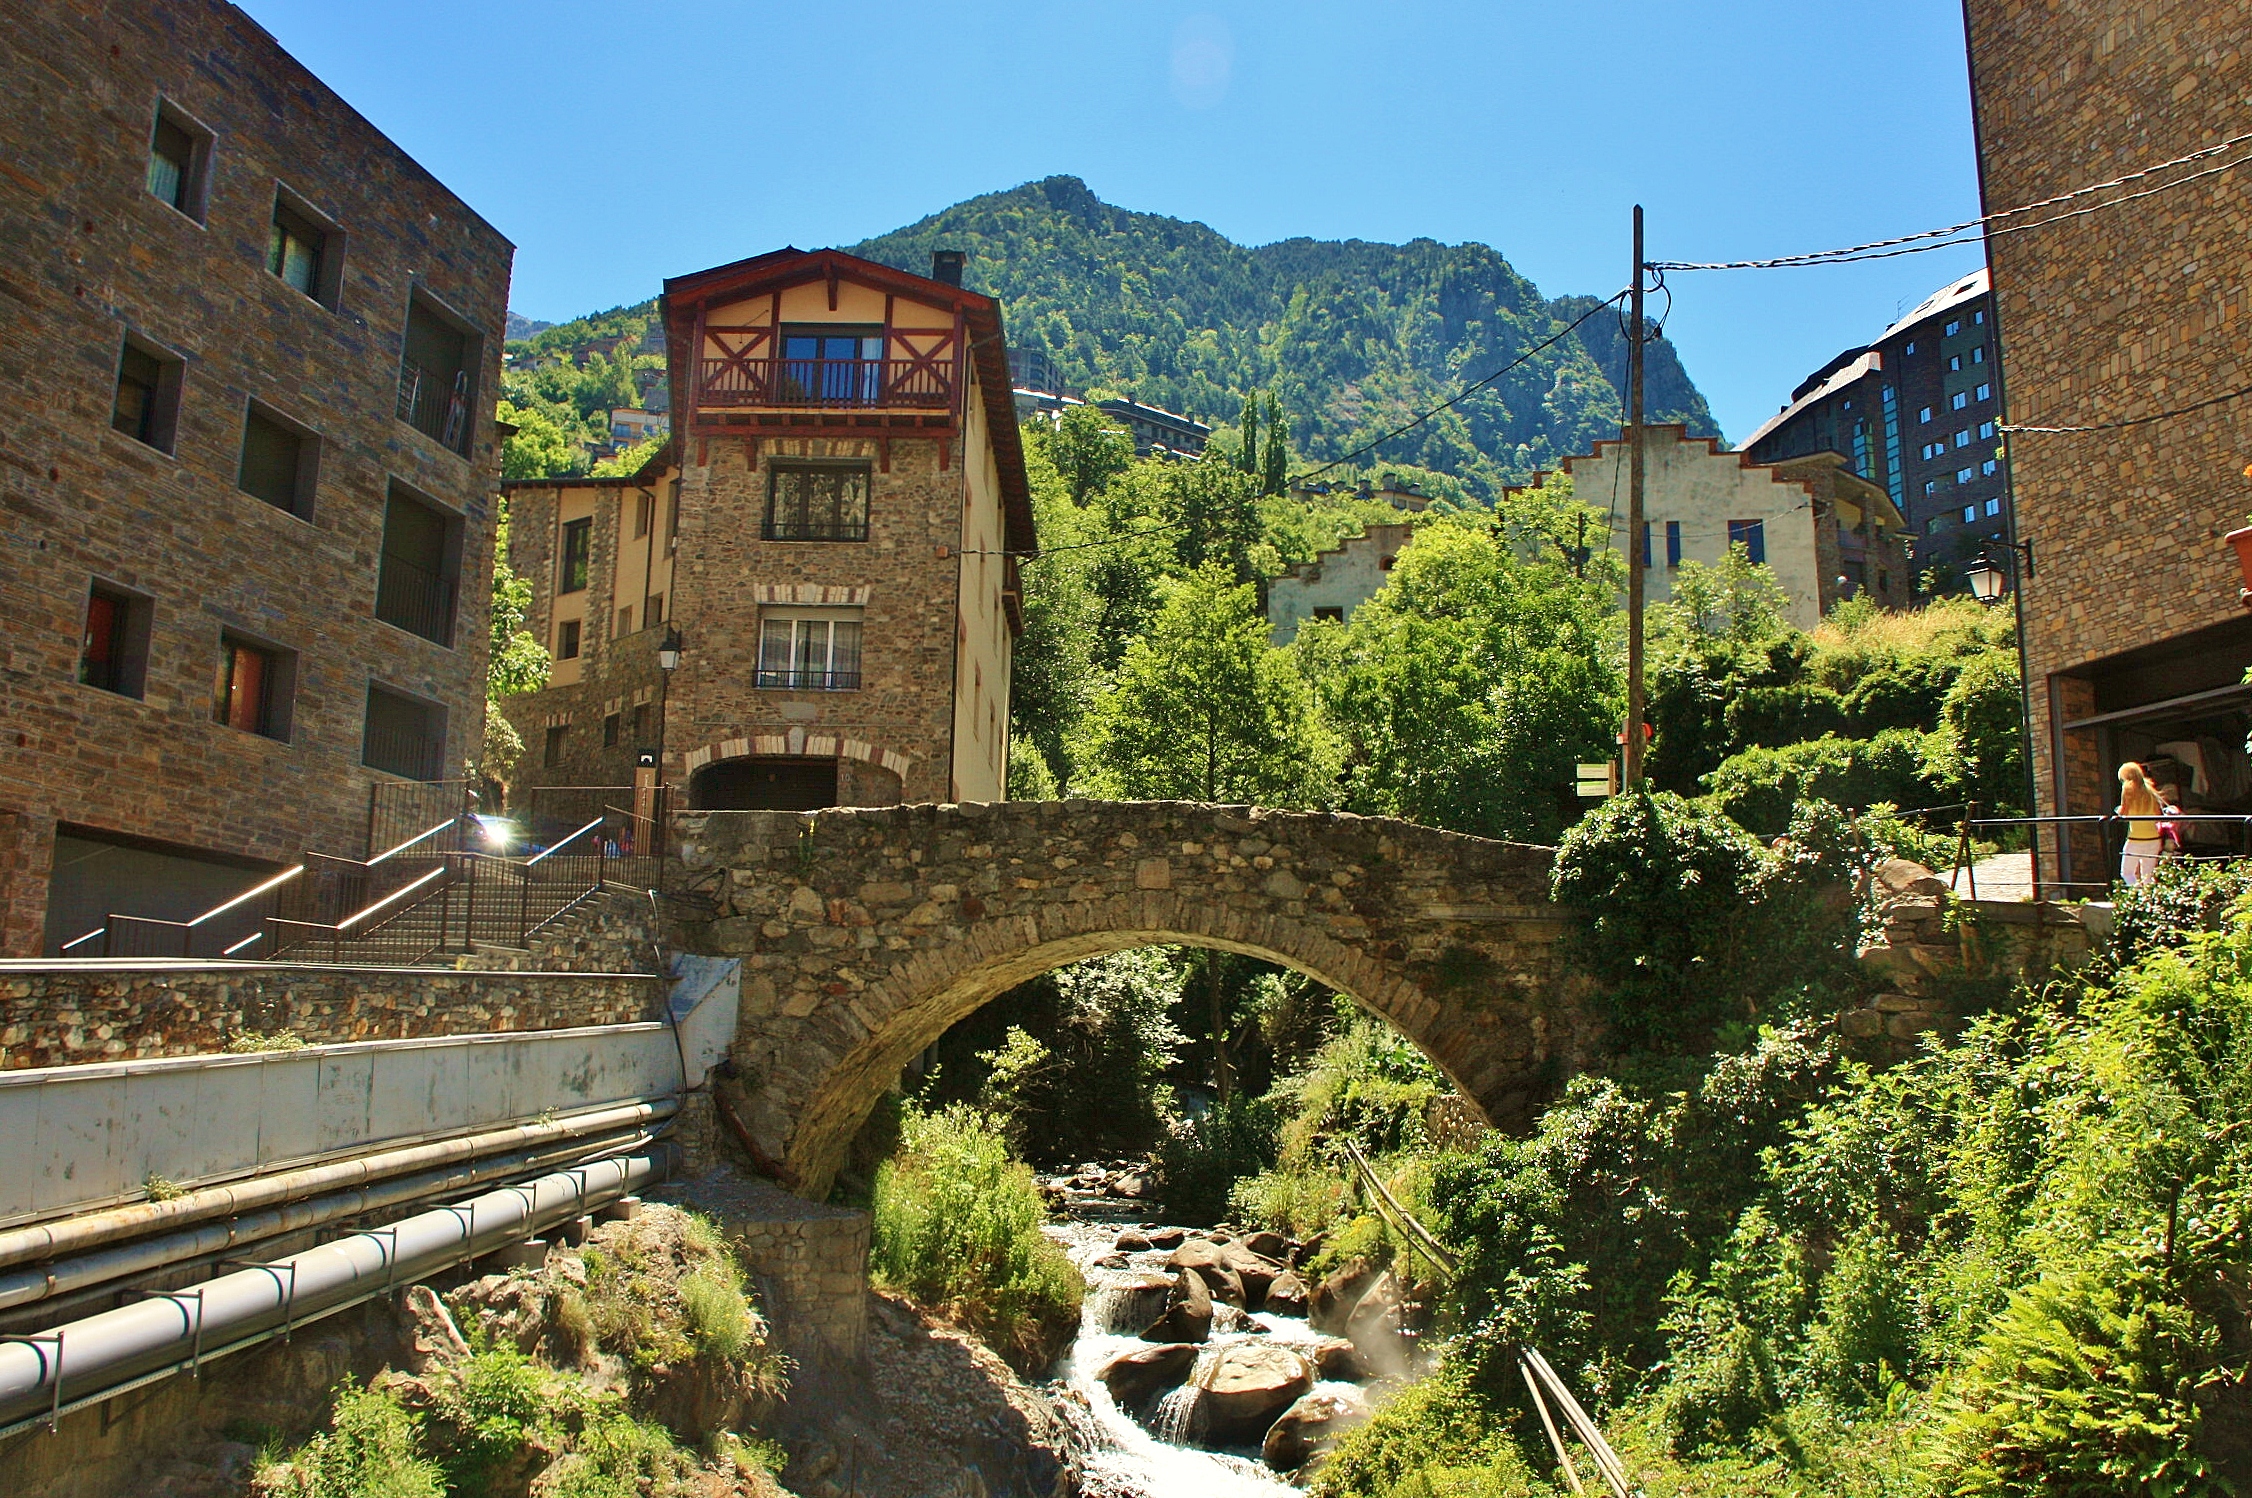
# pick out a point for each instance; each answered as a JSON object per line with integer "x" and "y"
{"x": 71, "y": 1366}
{"x": 72, "y": 1235}
{"x": 19, "y": 1287}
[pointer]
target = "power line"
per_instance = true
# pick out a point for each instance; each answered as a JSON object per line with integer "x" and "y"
{"x": 1464, "y": 393}
{"x": 1991, "y": 224}
{"x": 2136, "y": 421}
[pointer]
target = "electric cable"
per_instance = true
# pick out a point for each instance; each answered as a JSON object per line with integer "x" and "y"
{"x": 2135, "y": 421}
{"x": 1991, "y": 224}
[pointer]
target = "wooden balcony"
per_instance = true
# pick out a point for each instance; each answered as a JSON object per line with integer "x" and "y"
{"x": 825, "y": 384}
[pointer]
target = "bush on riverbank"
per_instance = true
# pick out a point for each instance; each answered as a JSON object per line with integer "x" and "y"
{"x": 957, "y": 1228}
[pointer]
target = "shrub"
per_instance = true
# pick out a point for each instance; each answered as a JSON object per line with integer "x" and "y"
{"x": 1201, "y": 1158}
{"x": 1898, "y": 695}
{"x": 1981, "y": 717}
{"x": 1435, "y": 1437}
{"x": 957, "y": 1227}
{"x": 1661, "y": 886}
{"x": 2180, "y": 898}
{"x": 1784, "y": 715}
{"x": 370, "y": 1450}
{"x": 1758, "y": 787}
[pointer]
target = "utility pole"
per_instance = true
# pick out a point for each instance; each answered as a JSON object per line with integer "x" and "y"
{"x": 1632, "y": 777}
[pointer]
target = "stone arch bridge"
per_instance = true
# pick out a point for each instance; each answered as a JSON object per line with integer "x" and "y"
{"x": 866, "y": 933}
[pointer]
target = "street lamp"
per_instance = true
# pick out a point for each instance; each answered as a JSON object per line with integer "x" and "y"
{"x": 1987, "y": 576}
{"x": 668, "y": 652}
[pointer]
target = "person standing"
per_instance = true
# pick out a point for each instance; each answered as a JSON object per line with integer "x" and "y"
{"x": 2142, "y": 806}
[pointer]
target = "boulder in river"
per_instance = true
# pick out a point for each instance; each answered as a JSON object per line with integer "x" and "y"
{"x": 1377, "y": 1322}
{"x": 1269, "y": 1246}
{"x": 1188, "y": 1315}
{"x": 1131, "y": 1241}
{"x": 1130, "y": 1186}
{"x": 1310, "y": 1427}
{"x": 1166, "y": 1237}
{"x": 1336, "y": 1297}
{"x": 1286, "y": 1295}
{"x": 1248, "y": 1385}
{"x": 1133, "y": 1377}
{"x": 1210, "y": 1260}
{"x": 1338, "y": 1359}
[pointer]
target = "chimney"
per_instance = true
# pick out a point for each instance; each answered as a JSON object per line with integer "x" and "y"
{"x": 946, "y": 265}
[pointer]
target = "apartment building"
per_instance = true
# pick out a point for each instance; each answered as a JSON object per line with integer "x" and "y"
{"x": 248, "y": 348}
{"x": 1917, "y": 412}
{"x": 810, "y": 597}
{"x": 2128, "y": 326}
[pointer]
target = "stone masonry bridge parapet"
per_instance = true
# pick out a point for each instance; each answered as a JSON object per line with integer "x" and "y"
{"x": 865, "y": 933}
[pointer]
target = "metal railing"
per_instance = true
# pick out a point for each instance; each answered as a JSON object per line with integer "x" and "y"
{"x": 825, "y": 382}
{"x": 433, "y": 405}
{"x": 808, "y": 680}
{"x": 402, "y": 812}
{"x": 416, "y": 599}
{"x": 411, "y": 752}
{"x": 2101, "y": 837}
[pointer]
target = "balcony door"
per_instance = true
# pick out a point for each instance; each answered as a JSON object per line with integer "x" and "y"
{"x": 831, "y": 366}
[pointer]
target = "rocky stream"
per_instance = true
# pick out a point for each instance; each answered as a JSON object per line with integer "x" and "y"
{"x": 1205, "y": 1365}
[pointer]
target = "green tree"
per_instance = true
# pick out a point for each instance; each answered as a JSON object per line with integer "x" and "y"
{"x": 1735, "y": 600}
{"x": 1247, "y": 431}
{"x": 1087, "y": 449}
{"x": 1205, "y": 709}
{"x": 540, "y": 447}
{"x": 1274, "y": 477}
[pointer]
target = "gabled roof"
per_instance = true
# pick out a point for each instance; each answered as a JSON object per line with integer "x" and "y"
{"x": 780, "y": 269}
{"x": 1867, "y": 362}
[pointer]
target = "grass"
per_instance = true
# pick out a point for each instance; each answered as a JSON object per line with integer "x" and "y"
{"x": 957, "y": 1228}
{"x": 372, "y": 1449}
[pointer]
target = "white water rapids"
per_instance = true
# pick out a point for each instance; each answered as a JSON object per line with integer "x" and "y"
{"x": 1127, "y": 1460}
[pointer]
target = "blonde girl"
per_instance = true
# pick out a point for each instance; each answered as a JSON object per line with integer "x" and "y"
{"x": 2142, "y": 806}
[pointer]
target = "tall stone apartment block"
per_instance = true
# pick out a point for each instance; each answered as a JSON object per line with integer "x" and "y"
{"x": 2136, "y": 644}
{"x": 247, "y": 356}
{"x": 826, "y": 551}
{"x": 1917, "y": 412}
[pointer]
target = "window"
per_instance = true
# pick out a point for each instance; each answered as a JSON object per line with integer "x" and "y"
{"x": 625, "y": 622}
{"x": 1330, "y": 612}
{"x": 818, "y": 504}
{"x": 179, "y": 161}
{"x": 1910, "y": 349}
{"x": 1962, "y": 438}
{"x": 1954, "y": 326}
{"x": 280, "y": 461}
{"x": 1751, "y": 535}
{"x": 1645, "y": 543}
{"x": 1958, "y": 400}
{"x": 1990, "y": 467}
{"x": 1924, "y": 414}
{"x": 438, "y": 375}
{"x": 653, "y": 612}
{"x": 641, "y": 724}
{"x": 644, "y": 507}
{"x": 1985, "y": 392}
{"x": 578, "y": 551}
{"x": 1932, "y": 449}
{"x": 1978, "y": 353}
{"x": 1673, "y": 543}
{"x": 567, "y": 640}
{"x": 1384, "y": 564}
{"x": 1986, "y": 429}
{"x": 405, "y": 735}
{"x": 1931, "y": 526}
{"x": 421, "y": 558}
{"x": 610, "y": 731}
{"x": 1978, "y": 318}
{"x": 1970, "y": 513}
{"x": 1954, "y": 361}
{"x": 1931, "y": 487}
{"x": 1963, "y": 475}
{"x": 148, "y": 394}
{"x": 809, "y": 652}
{"x": 115, "y": 653}
{"x": 830, "y": 365}
{"x": 551, "y": 752}
{"x": 672, "y": 519}
{"x": 1994, "y": 506}
{"x": 253, "y": 689}
{"x": 304, "y": 250}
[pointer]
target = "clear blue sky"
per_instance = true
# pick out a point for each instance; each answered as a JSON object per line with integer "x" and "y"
{"x": 619, "y": 143}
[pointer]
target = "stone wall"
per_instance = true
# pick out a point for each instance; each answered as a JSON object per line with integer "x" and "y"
{"x": 94, "y": 256}
{"x": 809, "y": 1262}
{"x": 614, "y": 932}
{"x": 65, "y": 1014}
{"x": 2124, "y": 312}
{"x": 866, "y": 933}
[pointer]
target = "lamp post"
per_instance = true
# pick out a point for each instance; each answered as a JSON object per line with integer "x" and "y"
{"x": 1988, "y": 579}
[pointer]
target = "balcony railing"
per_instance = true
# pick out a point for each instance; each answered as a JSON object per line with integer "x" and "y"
{"x": 772, "y": 680}
{"x": 417, "y": 600}
{"x": 414, "y": 755}
{"x": 825, "y": 383}
{"x": 434, "y": 405}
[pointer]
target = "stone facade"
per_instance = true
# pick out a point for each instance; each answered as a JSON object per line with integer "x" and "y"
{"x": 866, "y": 933}
{"x": 99, "y": 268}
{"x": 1336, "y": 582}
{"x": 2124, "y": 312}
{"x": 65, "y": 1014}
{"x": 808, "y": 1262}
{"x": 688, "y": 546}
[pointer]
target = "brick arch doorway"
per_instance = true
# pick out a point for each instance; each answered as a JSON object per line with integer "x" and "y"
{"x": 763, "y": 782}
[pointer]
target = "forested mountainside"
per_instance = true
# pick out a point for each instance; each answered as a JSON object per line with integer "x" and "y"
{"x": 1354, "y": 337}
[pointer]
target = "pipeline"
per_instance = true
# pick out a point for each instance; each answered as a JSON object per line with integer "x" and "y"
{"x": 75, "y": 1276}
{"x": 48, "y": 1374}
{"x": 72, "y": 1235}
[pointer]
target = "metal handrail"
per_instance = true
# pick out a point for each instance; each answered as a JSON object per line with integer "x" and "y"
{"x": 398, "y": 894}
{"x": 548, "y": 852}
{"x": 422, "y": 836}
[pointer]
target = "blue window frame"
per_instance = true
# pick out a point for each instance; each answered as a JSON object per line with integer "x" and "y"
{"x": 1751, "y": 535}
{"x": 1673, "y": 543}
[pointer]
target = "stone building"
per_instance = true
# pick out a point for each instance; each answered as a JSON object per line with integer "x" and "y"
{"x": 827, "y": 549}
{"x": 1827, "y": 533}
{"x": 1916, "y": 412}
{"x": 1335, "y": 583}
{"x": 247, "y": 349}
{"x": 2136, "y": 645}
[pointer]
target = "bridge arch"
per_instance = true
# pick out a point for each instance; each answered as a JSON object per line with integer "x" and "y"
{"x": 865, "y": 934}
